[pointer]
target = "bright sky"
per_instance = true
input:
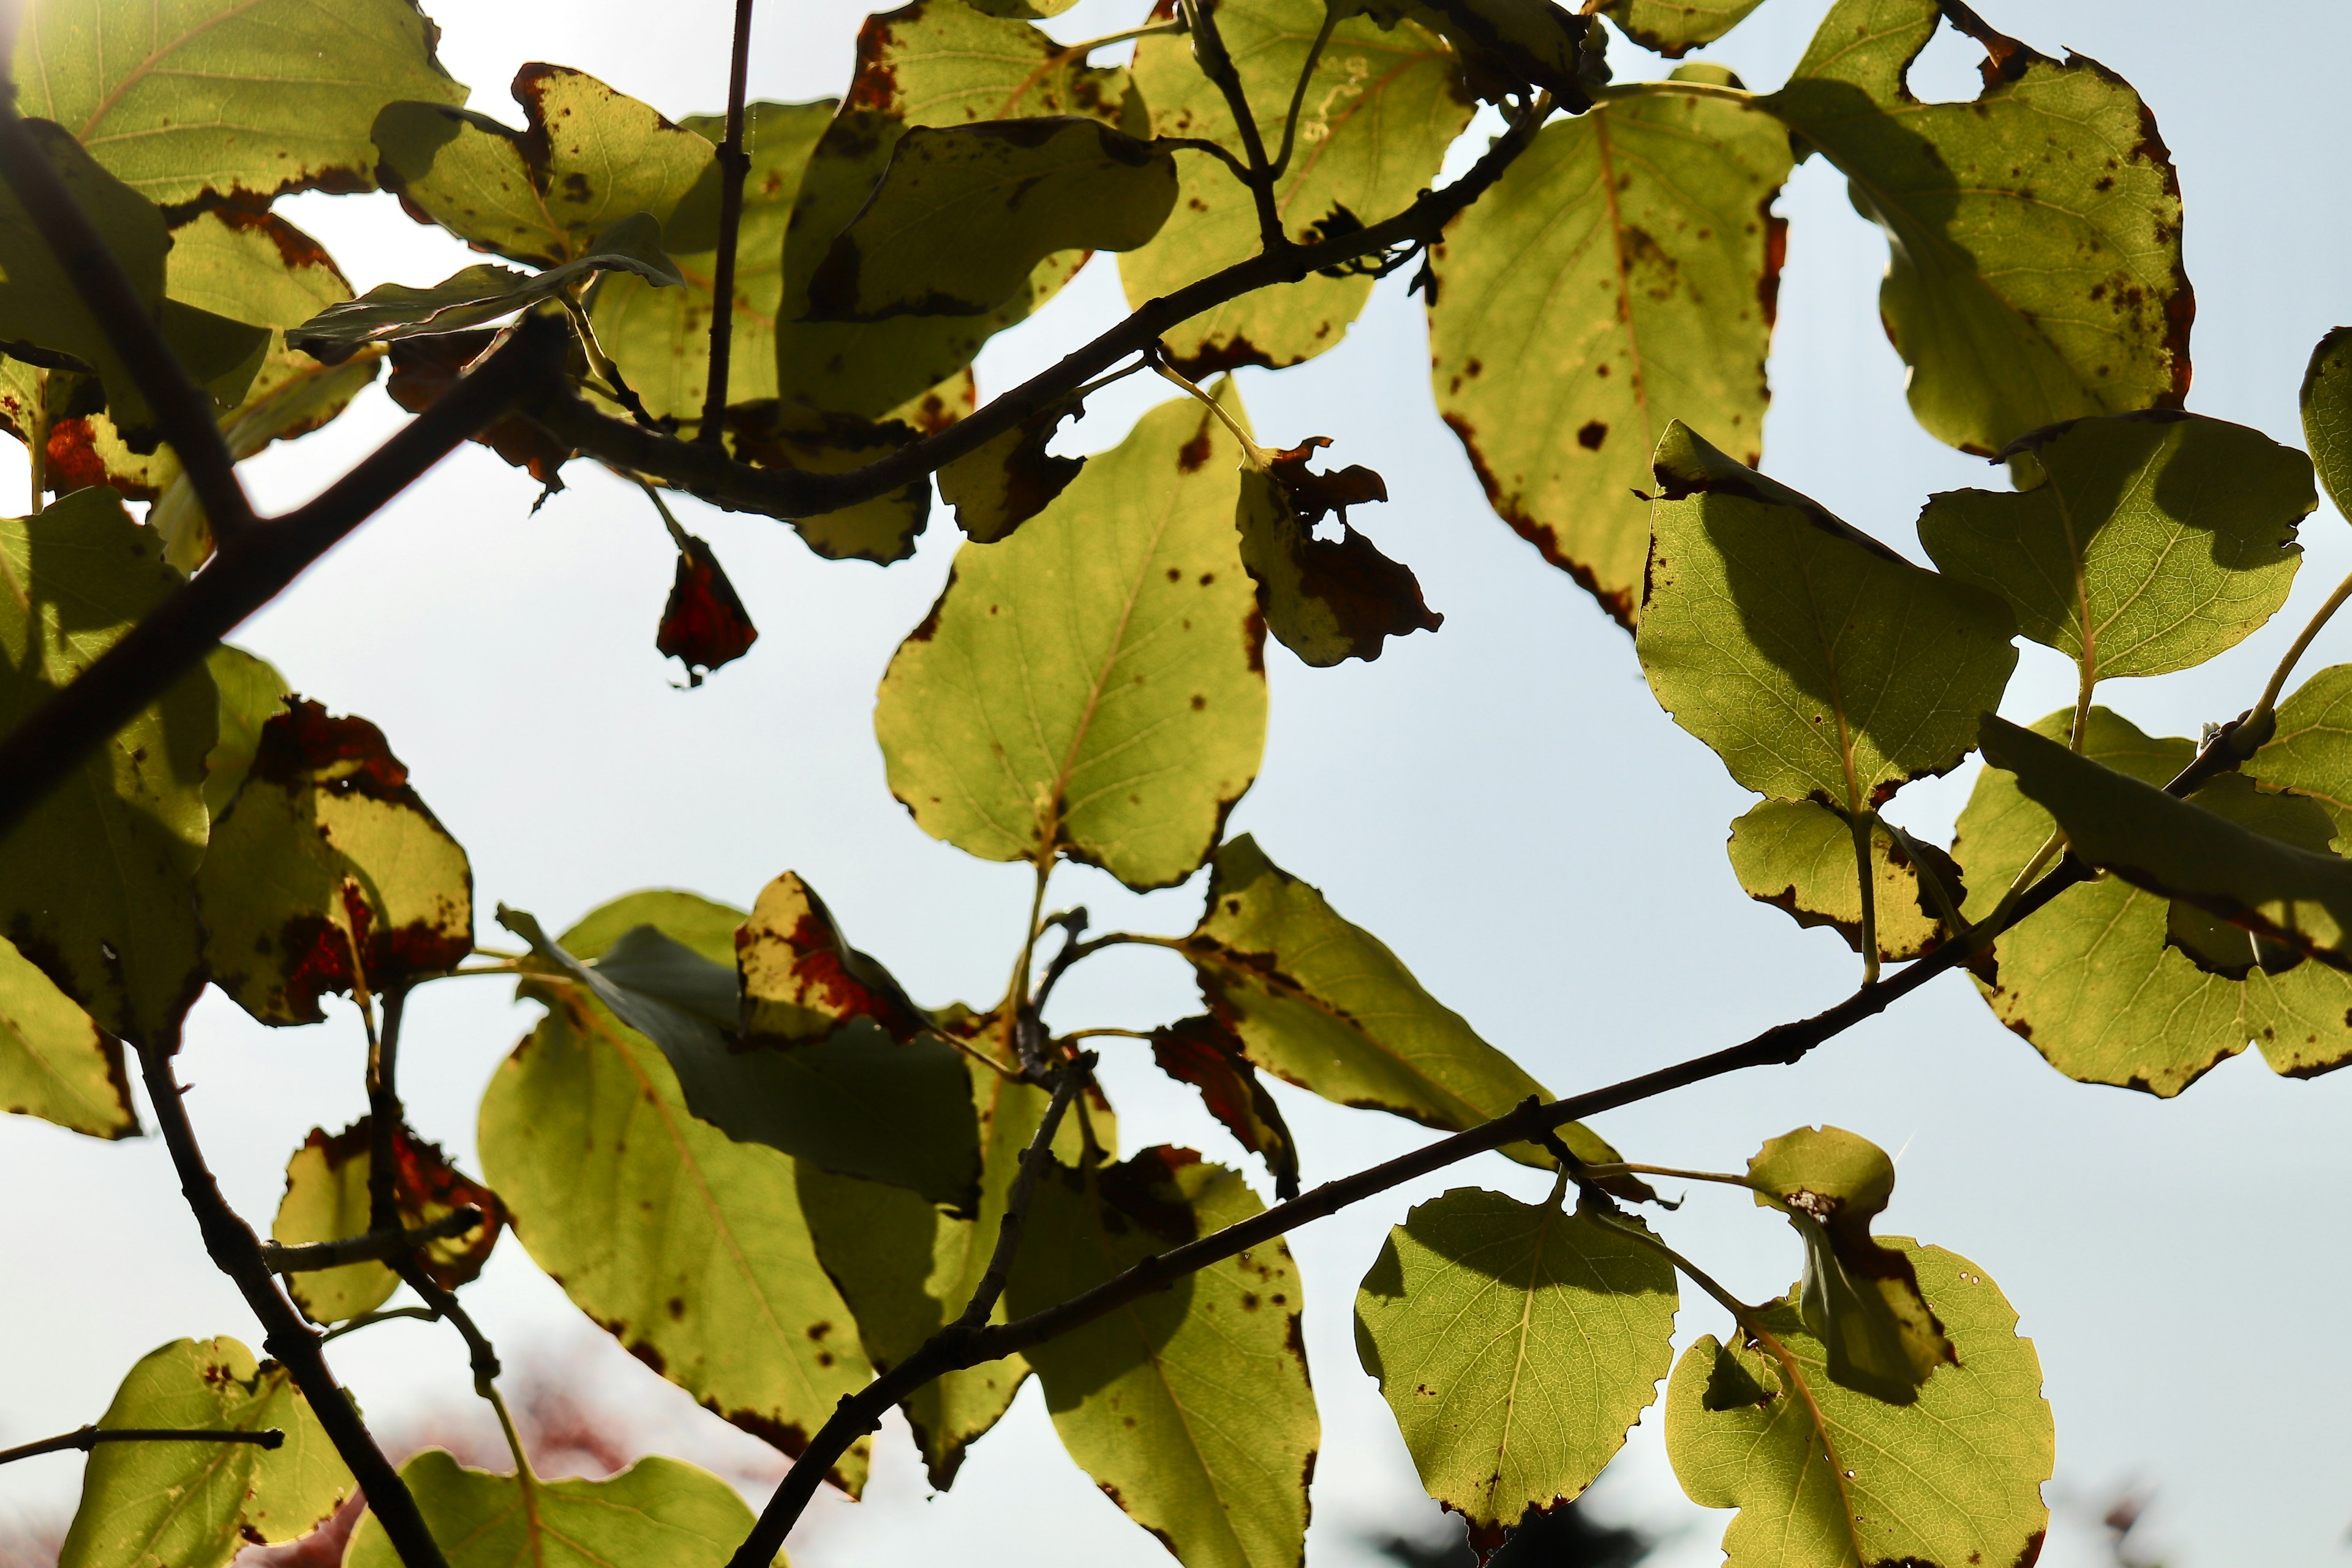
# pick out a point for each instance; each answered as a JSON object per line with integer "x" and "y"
{"x": 1503, "y": 803}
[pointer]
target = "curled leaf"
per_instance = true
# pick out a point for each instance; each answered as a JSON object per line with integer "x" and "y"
{"x": 424, "y": 368}
{"x": 1326, "y": 600}
{"x": 1207, "y": 1054}
{"x": 704, "y": 624}
{"x": 801, "y": 981}
{"x": 327, "y": 1198}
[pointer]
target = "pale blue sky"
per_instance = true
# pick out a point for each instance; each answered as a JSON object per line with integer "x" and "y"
{"x": 1503, "y": 803}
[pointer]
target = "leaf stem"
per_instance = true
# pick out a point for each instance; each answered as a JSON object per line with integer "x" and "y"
{"x": 734, "y": 165}
{"x": 1216, "y": 149}
{"x": 1298, "y": 93}
{"x": 385, "y": 1315}
{"x": 601, "y": 363}
{"x": 2268, "y": 703}
{"x": 1258, "y": 456}
{"x": 1955, "y": 923}
{"x": 1217, "y": 65}
{"x": 82, "y": 1439}
{"x": 677, "y": 534}
{"x": 1616, "y": 91}
{"x": 1626, "y": 1168}
{"x": 1105, "y": 1032}
{"x": 1859, "y": 821}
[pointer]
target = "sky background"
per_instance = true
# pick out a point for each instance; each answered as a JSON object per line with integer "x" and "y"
{"x": 1503, "y": 803}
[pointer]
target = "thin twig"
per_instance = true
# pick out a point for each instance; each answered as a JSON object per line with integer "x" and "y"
{"x": 82, "y": 1439}
{"x": 1209, "y": 52}
{"x": 1216, "y": 149}
{"x": 2268, "y": 703}
{"x": 479, "y": 1353}
{"x": 384, "y": 1315}
{"x": 1072, "y": 1078}
{"x": 1298, "y": 93}
{"x": 734, "y": 165}
{"x": 376, "y": 1247}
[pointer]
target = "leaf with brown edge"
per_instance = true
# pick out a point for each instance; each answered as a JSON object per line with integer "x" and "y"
{"x": 1010, "y": 477}
{"x": 801, "y": 981}
{"x": 422, "y": 368}
{"x": 1799, "y": 856}
{"x": 327, "y": 1199}
{"x": 1325, "y": 600}
{"x": 1672, "y": 27}
{"x": 1510, "y": 45}
{"x": 54, "y": 1062}
{"x": 328, "y": 869}
{"x": 1204, "y": 1052}
{"x": 1859, "y": 1298}
{"x": 703, "y": 624}
{"x": 773, "y": 434}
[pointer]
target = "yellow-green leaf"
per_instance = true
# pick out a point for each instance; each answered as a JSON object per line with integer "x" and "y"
{"x": 1010, "y": 477}
{"x": 1799, "y": 856}
{"x": 1515, "y": 1344}
{"x": 778, "y": 434}
{"x": 1675, "y": 28}
{"x": 1092, "y": 686}
{"x": 54, "y": 1062}
{"x": 2327, "y": 415}
{"x": 327, "y": 1198}
{"x": 802, "y": 979}
{"x": 1620, "y": 274}
{"x": 658, "y": 1513}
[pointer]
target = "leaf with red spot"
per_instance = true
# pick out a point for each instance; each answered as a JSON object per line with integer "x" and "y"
{"x": 326, "y": 868}
{"x": 801, "y": 982}
{"x": 327, "y": 1198}
{"x": 1326, "y": 600}
{"x": 704, "y": 624}
{"x": 1207, "y": 1054}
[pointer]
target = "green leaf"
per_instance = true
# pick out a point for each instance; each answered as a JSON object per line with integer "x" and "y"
{"x": 588, "y": 158}
{"x": 2033, "y": 235}
{"x": 479, "y": 293}
{"x": 777, "y": 435}
{"x": 1327, "y": 600}
{"x": 2310, "y": 749}
{"x": 1799, "y": 856}
{"x": 2299, "y": 896}
{"x": 326, "y": 868}
{"x": 857, "y": 1102}
{"x": 248, "y": 98}
{"x": 327, "y": 1199}
{"x": 1093, "y": 685}
{"x": 1189, "y": 1407}
{"x": 1010, "y": 477}
{"x": 658, "y": 1513}
{"x": 1379, "y": 112}
{"x": 192, "y": 1505}
{"x": 2137, "y": 544}
{"x": 1325, "y": 1005}
{"x": 1816, "y": 662}
{"x": 2094, "y": 980}
{"x": 2327, "y": 415}
{"x": 933, "y": 63}
{"x": 964, "y": 214}
{"x": 1675, "y": 28}
{"x": 1515, "y": 1345}
{"x": 251, "y": 693}
{"x": 1954, "y": 1478}
{"x": 661, "y": 337}
{"x": 687, "y": 1245}
{"x": 54, "y": 1062}
{"x": 94, "y": 881}
{"x": 1860, "y": 1298}
{"x": 1622, "y": 272}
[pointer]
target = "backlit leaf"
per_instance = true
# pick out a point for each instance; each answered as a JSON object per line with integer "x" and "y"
{"x": 587, "y": 158}
{"x": 1799, "y": 856}
{"x": 1204, "y": 1052}
{"x": 327, "y": 866}
{"x": 687, "y": 1245}
{"x": 1325, "y": 599}
{"x": 659, "y": 1512}
{"x": 2138, "y": 544}
{"x": 252, "y": 692}
{"x": 232, "y": 98}
{"x": 801, "y": 981}
{"x": 54, "y": 1062}
{"x": 2034, "y": 269}
{"x": 1622, "y": 273}
{"x": 1010, "y": 477}
{"x": 2327, "y": 415}
{"x": 327, "y": 1199}
{"x": 1816, "y": 662}
{"x": 703, "y": 623}
{"x": 778, "y": 434}
{"x": 1515, "y": 1344}
{"x": 94, "y": 880}
{"x": 1094, "y": 684}
{"x": 1189, "y": 1407}
{"x": 1675, "y": 28}
{"x": 1953, "y": 1478}
{"x": 1379, "y": 112}
{"x": 194, "y": 1505}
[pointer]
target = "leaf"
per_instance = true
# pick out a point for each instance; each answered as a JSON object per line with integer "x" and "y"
{"x": 1325, "y": 1005}
{"x": 425, "y": 368}
{"x": 1675, "y": 28}
{"x": 776, "y": 435}
{"x": 1799, "y": 856}
{"x": 192, "y": 1505}
{"x": 1515, "y": 1345}
{"x": 1859, "y": 1297}
{"x": 2328, "y": 414}
{"x": 659, "y": 1512}
{"x": 703, "y": 624}
{"x": 1189, "y": 1407}
{"x": 857, "y": 1102}
{"x": 1093, "y": 685}
{"x": 661, "y": 337}
{"x": 54, "y": 1062}
{"x": 1815, "y": 661}
{"x": 328, "y": 869}
{"x": 2092, "y": 980}
{"x": 965, "y": 213}
{"x": 327, "y": 1199}
{"x": 1205, "y": 1053}
{"x": 2297, "y": 897}
{"x": 478, "y": 294}
{"x": 1379, "y": 112}
{"x": 94, "y": 880}
{"x": 2033, "y": 236}
{"x": 1622, "y": 271}
{"x": 251, "y": 691}
{"x": 933, "y": 63}
{"x": 1010, "y": 477}
{"x": 2137, "y": 543}
{"x": 1510, "y": 45}
{"x": 588, "y": 158}
{"x": 1327, "y": 600}
{"x": 686, "y": 1245}
{"x": 801, "y": 981}
{"x": 1954, "y": 1477}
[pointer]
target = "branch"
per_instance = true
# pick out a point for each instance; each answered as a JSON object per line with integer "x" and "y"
{"x": 84, "y": 1439}
{"x": 376, "y": 1246}
{"x": 236, "y": 1252}
{"x": 710, "y": 475}
{"x": 253, "y": 568}
{"x": 733, "y": 165}
{"x": 183, "y": 413}
{"x": 1208, "y": 52}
